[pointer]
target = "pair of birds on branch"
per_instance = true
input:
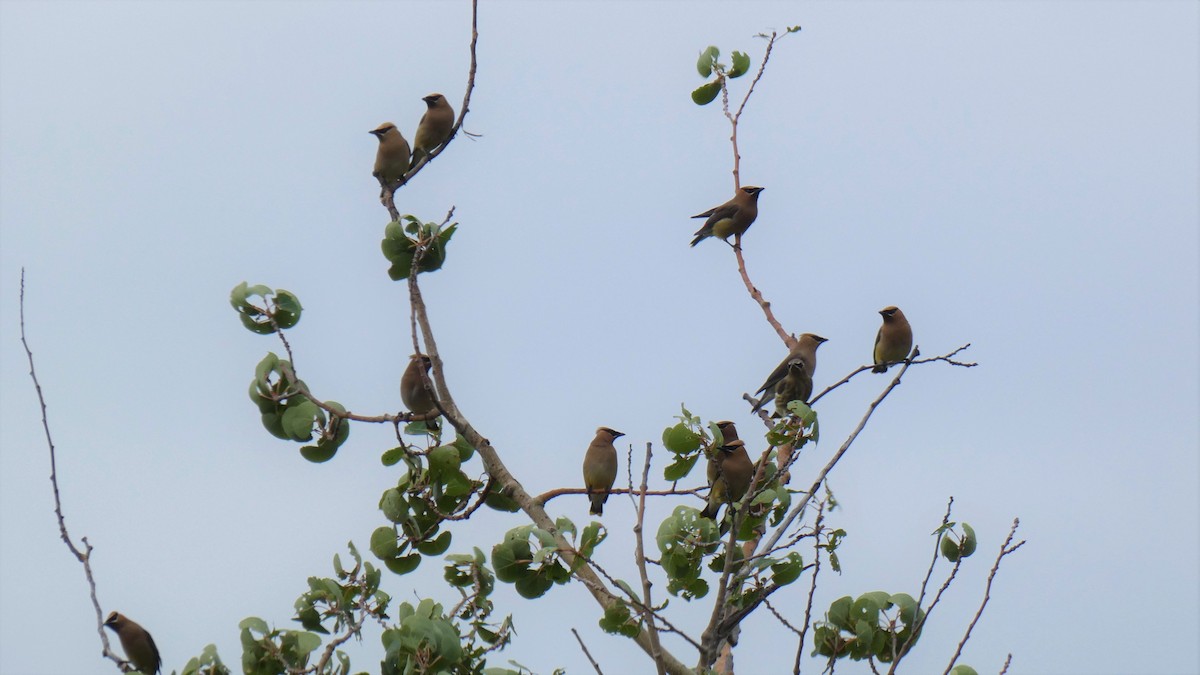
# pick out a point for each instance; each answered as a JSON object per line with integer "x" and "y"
{"x": 394, "y": 158}
{"x": 792, "y": 378}
{"x": 729, "y": 470}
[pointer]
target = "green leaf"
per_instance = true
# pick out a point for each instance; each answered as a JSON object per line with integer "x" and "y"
{"x": 950, "y": 548}
{"x": 708, "y": 57}
{"x": 298, "y": 419}
{"x": 963, "y": 670}
{"x": 680, "y": 440}
{"x": 394, "y": 506}
{"x": 383, "y": 543}
{"x": 393, "y": 456}
{"x": 969, "y": 542}
{"x": 323, "y": 451}
{"x": 706, "y": 93}
{"x": 681, "y": 467}
{"x": 788, "y": 570}
{"x": 436, "y": 546}
{"x": 465, "y": 451}
{"x": 404, "y": 564}
{"x": 741, "y": 64}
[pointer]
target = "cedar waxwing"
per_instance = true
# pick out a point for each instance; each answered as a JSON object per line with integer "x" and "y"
{"x": 805, "y": 351}
{"x": 434, "y": 127}
{"x": 733, "y": 217}
{"x": 416, "y": 397}
{"x": 392, "y": 157}
{"x": 600, "y": 468}
{"x": 728, "y": 433}
{"x": 137, "y": 643}
{"x": 732, "y": 479}
{"x": 894, "y": 340}
{"x": 796, "y": 385}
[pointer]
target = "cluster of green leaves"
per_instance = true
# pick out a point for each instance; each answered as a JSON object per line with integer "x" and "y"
{"x": 278, "y": 304}
{"x": 348, "y": 600}
{"x": 954, "y": 546}
{"x": 268, "y": 651}
{"x": 354, "y": 592}
{"x": 708, "y": 66}
{"x": 529, "y": 557}
{"x": 685, "y": 539}
{"x": 292, "y": 416}
{"x": 876, "y": 625}
{"x": 407, "y": 238}
{"x": 208, "y": 663}
{"x": 797, "y": 428}
{"x": 433, "y": 487}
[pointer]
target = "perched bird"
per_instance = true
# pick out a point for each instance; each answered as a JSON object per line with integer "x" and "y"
{"x": 392, "y": 157}
{"x": 728, "y": 433}
{"x": 416, "y": 397}
{"x": 805, "y": 352}
{"x": 434, "y": 127}
{"x": 796, "y": 385}
{"x": 734, "y": 470}
{"x": 733, "y": 217}
{"x": 600, "y": 468}
{"x": 894, "y": 340}
{"x": 137, "y": 643}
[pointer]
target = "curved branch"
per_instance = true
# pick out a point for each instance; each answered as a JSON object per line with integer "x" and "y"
{"x": 509, "y": 483}
{"x": 84, "y": 555}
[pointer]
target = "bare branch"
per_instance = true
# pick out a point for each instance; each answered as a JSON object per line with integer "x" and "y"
{"x": 559, "y": 492}
{"x": 586, "y": 652}
{"x": 812, "y": 587}
{"x": 84, "y": 555}
{"x": 837, "y": 456}
{"x": 500, "y": 473}
{"x": 948, "y": 358}
{"x": 1005, "y": 549}
{"x": 640, "y": 560}
{"x": 757, "y": 295}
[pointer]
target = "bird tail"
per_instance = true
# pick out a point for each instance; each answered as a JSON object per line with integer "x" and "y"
{"x": 710, "y": 511}
{"x": 597, "y": 505}
{"x": 879, "y": 369}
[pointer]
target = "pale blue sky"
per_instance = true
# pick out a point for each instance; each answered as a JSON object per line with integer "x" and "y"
{"x": 1021, "y": 176}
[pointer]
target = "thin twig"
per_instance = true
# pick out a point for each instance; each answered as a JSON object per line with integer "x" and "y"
{"x": 812, "y": 588}
{"x": 586, "y": 652}
{"x": 757, "y": 295}
{"x": 925, "y": 587}
{"x": 1005, "y": 549}
{"x": 559, "y": 492}
{"x": 84, "y": 556}
{"x": 837, "y": 456}
{"x": 640, "y": 561}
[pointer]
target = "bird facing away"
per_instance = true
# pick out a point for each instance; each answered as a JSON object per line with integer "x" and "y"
{"x": 796, "y": 385}
{"x": 137, "y": 643}
{"x": 734, "y": 470}
{"x": 416, "y": 397}
{"x": 805, "y": 352}
{"x": 733, "y": 217}
{"x": 600, "y": 468}
{"x": 392, "y": 157}
{"x": 894, "y": 340}
{"x": 434, "y": 127}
